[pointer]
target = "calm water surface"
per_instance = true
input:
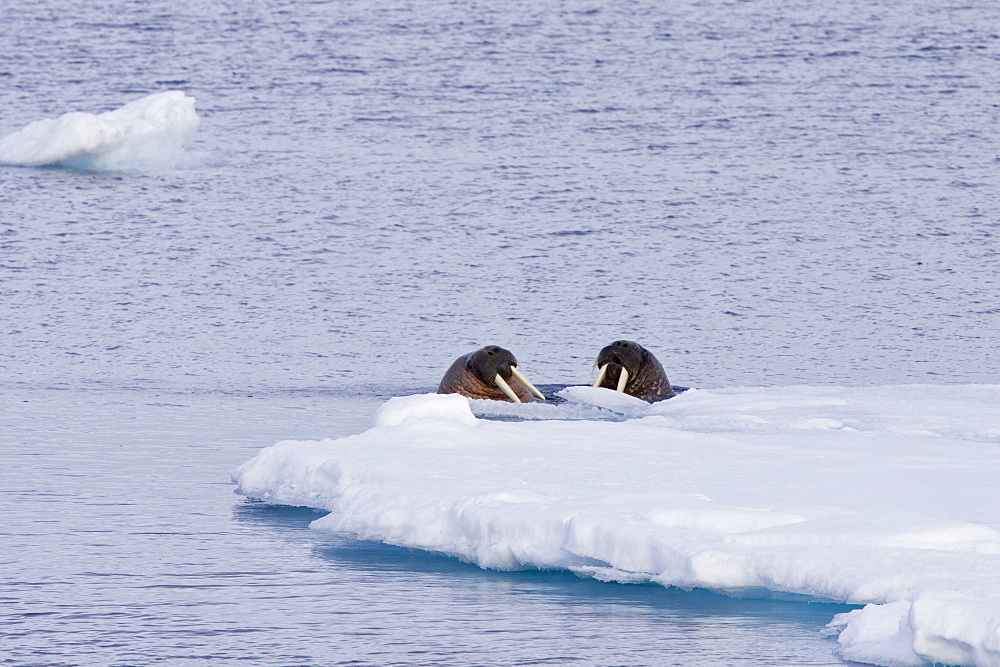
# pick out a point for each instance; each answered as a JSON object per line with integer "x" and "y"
{"x": 763, "y": 193}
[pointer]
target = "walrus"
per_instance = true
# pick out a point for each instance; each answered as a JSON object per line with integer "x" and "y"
{"x": 488, "y": 373}
{"x": 630, "y": 368}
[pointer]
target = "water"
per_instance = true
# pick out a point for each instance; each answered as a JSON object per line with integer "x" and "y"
{"x": 761, "y": 195}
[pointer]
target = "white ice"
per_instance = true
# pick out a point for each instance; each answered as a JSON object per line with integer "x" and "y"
{"x": 886, "y": 497}
{"x": 150, "y": 131}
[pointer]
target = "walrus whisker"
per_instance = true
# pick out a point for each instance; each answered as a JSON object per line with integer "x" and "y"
{"x": 520, "y": 376}
{"x": 505, "y": 388}
{"x": 622, "y": 379}
{"x": 600, "y": 375}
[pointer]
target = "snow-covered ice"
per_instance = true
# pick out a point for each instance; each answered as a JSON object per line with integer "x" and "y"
{"x": 148, "y": 131}
{"x": 885, "y": 497}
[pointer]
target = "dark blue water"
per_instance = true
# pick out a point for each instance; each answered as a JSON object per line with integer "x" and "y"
{"x": 760, "y": 193}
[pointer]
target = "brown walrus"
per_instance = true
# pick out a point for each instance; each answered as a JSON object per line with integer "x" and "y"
{"x": 630, "y": 368}
{"x": 488, "y": 373}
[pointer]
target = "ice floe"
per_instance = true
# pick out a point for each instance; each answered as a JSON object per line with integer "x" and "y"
{"x": 885, "y": 497}
{"x": 150, "y": 131}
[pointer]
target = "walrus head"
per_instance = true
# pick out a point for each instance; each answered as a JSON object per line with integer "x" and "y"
{"x": 490, "y": 372}
{"x": 630, "y": 368}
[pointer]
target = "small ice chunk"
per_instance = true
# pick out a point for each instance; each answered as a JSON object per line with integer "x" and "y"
{"x": 445, "y": 407}
{"x": 150, "y": 130}
{"x": 605, "y": 398}
{"x": 877, "y": 634}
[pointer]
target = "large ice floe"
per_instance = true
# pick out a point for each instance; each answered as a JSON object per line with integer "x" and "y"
{"x": 150, "y": 131}
{"x": 885, "y": 497}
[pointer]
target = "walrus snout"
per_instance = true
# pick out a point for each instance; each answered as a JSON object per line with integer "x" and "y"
{"x": 490, "y": 372}
{"x": 628, "y": 367}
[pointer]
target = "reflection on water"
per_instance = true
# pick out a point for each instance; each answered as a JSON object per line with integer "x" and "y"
{"x": 554, "y": 615}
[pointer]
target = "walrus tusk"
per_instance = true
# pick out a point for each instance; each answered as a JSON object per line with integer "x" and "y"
{"x": 505, "y": 388}
{"x": 520, "y": 376}
{"x": 600, "y": 375}
{"x": 622, "y": 379}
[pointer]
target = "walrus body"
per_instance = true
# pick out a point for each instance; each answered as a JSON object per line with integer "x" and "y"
{"x": 644, "y": 377}
{"x": 488, "y": 373}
